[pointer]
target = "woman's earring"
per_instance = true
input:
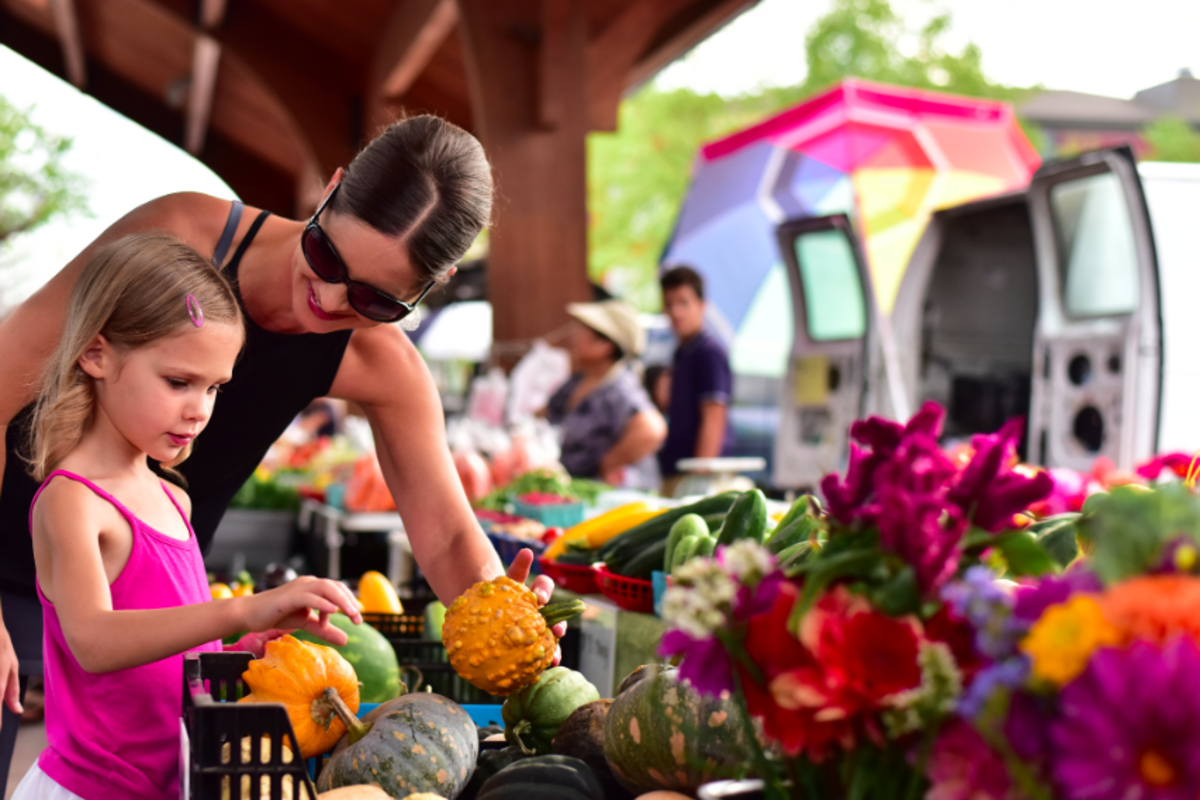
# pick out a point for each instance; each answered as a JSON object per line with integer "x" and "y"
{"x": 412, "y": 321}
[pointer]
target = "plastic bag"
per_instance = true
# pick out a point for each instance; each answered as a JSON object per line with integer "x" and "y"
{"x": 535, "y": 378}
{"x": 488, "y": 395}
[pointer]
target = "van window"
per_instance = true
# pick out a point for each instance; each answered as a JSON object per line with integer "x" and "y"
{"x": 1096, "y": 252}
{"x": 833, "y": 293}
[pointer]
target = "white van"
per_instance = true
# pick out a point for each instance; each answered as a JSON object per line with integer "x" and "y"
{"x": 1070, "y": 303}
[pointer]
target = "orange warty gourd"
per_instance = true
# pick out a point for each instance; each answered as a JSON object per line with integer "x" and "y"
{"x": 296, "y": 674}
{"x": 497, "y": 636}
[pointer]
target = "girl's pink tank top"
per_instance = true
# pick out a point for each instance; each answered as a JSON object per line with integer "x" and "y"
{"x": 117, "y": 734}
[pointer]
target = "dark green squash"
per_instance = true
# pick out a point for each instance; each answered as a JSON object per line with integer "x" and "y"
{"x": 543, "y": 778}
{"x": 489, "y": 763}
{"x": 418, "y": 742}
{"x": 661, "y": 733}
{"x": 533, "y": 715}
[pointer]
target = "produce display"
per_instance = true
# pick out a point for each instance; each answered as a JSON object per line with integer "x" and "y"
{"x": 498, "y": 638}
{"x": 533, "y": 715}
{"x": 302, "y": 676}
{"x": 547, "y": 482}
{"x": 369, "y": 653}
{"x": 415, "y": 743}
{"x": 660, "y": 733}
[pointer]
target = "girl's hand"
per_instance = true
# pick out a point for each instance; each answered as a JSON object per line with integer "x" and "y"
{"x": 293, "y": 605}
{"x": 542, "y": 586}
{"x": 255, "y": 643}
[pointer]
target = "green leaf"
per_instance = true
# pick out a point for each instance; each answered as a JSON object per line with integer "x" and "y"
{"x": 899, "y": 595}
{"x": 824, "y": 571}
{"x": 1126, "y": 530}
{"x": 1060, "y": 542}
{"x": 1024, "y": 555}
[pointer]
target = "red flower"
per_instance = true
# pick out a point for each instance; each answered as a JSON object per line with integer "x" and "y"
{"x": 957, "y": 634}
{"x": 823, "y": 688}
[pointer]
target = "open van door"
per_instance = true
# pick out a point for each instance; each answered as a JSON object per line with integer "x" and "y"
{"x": 834, "y": 312}
{"x": 1097, "y": 360}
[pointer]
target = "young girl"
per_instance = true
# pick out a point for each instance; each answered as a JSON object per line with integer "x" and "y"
{"x": 152, "y": 333}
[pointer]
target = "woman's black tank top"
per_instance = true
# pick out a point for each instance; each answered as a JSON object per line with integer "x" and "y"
{"x": 275, "y": 378}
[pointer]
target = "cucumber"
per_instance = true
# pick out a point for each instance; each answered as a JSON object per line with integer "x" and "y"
{"x": 747, "y": 519}
{"x": 799, "y": 508}
{"x": 796, "y": 555}
{"x": 577, "y": 557}
{"x": 707, "y": 546}
{"x": 714, "y": 522}
{"x": 645, "y": 562}
{"x": 685, "y": 526}
{"x": 628, "y": 544}
{"x": 683, "y": 552}
{"x": 796, "y": 531}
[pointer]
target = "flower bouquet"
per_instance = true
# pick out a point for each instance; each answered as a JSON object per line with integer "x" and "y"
{"x": 933, "y": 640}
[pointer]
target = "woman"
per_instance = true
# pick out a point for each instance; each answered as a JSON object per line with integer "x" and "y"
{"x": 317, "y": 297}
{"x": 609, "y": 424}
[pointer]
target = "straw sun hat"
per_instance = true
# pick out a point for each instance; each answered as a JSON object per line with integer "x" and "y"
{"x": 616, "y": 320}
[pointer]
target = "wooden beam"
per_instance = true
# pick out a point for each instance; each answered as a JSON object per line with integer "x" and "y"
{"x": 612, "y": 52}
{"x": 67, "y": 23}
{"x": 415, "y": 31}
{"x": 702, "y": 20}
{"x": 205, "y": 59}
{"x": 212, "y": 14}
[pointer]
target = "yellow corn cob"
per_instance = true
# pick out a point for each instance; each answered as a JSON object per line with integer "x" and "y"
{"x": 584, "y": 528}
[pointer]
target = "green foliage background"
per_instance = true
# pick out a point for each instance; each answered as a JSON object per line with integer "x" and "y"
{"x": 34, "y": 186}
{"x": 638, "y": 176}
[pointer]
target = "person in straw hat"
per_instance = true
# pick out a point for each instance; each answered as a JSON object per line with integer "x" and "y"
{"x": 609, "y": 424}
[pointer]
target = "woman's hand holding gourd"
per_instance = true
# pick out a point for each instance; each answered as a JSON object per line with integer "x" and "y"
{"x": 542, "y": 586}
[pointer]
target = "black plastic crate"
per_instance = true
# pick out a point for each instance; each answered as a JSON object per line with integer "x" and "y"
{"x": 211, "y": 760}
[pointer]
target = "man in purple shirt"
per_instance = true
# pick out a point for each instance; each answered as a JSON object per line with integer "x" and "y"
{"x": 701, "y": 381}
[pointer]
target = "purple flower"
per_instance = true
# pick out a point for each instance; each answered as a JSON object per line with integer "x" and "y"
{"x": 706, "y": 664}
{"x": 1025, "y": 728}
{"x": 1033, "y": 599}
{"x": 752, "y": 601}
{"x": 848, "y": 500}
{"x": 963, "y": 767}
{"x": 1129, "y": 726}
{"x": 988, "y": 489}
{"x": 988, "y": 608}
{"x": 1003, "y": 676}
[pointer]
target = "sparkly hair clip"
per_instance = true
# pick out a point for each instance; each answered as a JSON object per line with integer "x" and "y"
{"x": 194, "y": 311}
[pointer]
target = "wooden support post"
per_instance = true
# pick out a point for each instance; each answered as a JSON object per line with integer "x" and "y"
{"x": 538, "y": 250}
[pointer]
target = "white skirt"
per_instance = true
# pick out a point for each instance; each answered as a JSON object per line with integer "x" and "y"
{"x": 37, "y": 785}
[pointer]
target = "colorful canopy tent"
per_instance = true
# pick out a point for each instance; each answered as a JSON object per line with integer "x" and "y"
{"x": 886, "y": 156}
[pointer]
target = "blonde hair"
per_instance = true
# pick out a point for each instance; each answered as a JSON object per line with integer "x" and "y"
{"x": 133, "y": 292}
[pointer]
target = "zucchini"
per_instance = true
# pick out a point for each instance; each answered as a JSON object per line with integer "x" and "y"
{"x": 747, "y": 519}
{"x": 577, "y": 557}
{"x": 796, "y": 531}
{"x": 645, "y": 562}
{"x": 632, "y": 541}
{"x": 685, "y": 526}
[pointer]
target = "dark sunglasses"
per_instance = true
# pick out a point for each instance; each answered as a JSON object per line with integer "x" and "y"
{"x": 364, "y": 298}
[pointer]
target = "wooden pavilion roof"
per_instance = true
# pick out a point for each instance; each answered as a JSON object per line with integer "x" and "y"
{"x": 274, "y": 95}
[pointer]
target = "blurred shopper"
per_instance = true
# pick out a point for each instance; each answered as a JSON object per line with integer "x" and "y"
{"x": 609, "y": 425}
{"x": 657, "y": 382}
{"x": 701, "y": 381}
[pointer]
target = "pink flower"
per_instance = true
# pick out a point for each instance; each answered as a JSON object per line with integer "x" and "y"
{"x": 989, "y": 490}
{"x": 963, "y": 767}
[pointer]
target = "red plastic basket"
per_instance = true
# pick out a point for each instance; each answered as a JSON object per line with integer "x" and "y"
{"x": 631, "y": 594}
{"x": 578, "y": 578}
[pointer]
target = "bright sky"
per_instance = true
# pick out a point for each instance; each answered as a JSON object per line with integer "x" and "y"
{"x": 1108, "y": 47}
{"x": 1097, "y": 46}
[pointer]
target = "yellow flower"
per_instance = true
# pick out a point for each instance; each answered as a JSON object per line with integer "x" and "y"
{"x": 1063, "y": 640}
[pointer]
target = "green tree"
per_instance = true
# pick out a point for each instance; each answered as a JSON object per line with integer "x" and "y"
{"x": 1172, "y": 139}
{"x": 34, "y": 186}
